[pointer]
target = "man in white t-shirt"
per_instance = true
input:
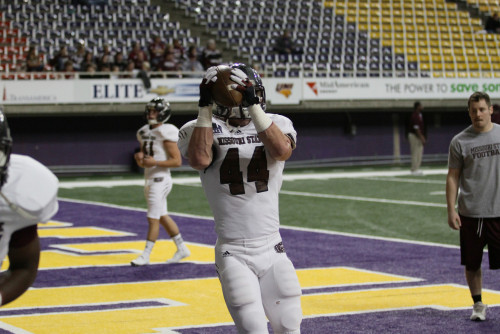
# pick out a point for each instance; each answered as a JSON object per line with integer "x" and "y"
{"x": 28, "y": 195}
{"x": 158, "y": 154}
{"x": 240, "y": 154}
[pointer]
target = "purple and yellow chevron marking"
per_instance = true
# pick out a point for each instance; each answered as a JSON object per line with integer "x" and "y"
{"x": 351, "y": 284}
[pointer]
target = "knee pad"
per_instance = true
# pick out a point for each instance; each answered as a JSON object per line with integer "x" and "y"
{"x": 286, "y": 277}
{"x": 290, "y": 292}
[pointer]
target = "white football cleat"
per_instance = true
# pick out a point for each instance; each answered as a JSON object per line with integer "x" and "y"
{"x": 181, "y": 253}
{"x": 142, "y": 260}
{"x": 478, "y": 312}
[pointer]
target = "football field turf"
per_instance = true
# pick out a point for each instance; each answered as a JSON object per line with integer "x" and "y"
{"x": 372, "y": 249}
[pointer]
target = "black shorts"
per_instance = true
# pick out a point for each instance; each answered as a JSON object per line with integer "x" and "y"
{"x": 475, "y": 234}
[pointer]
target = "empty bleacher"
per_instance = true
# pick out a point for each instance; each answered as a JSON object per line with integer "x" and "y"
{"x": 389, "y": 38}
{"x": 338, "y": 38}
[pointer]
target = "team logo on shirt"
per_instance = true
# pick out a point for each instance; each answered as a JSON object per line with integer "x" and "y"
{"x": 485, "y": 151}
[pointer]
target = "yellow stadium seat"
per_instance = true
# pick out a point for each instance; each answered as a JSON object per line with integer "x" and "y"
{"x": 424, "y": 58}
{"x": 450, "y": 74}
{"x": 437, "y": 66}
{"x": 463, "y": 74}
{"x": 461, "y": 66}
{"x": 473, "y": 66}
{"x": 447, "y": 51}
{"x": 449, "y": 66}
{"x": 413, "y": 58}
{"x": 425, "y": 66}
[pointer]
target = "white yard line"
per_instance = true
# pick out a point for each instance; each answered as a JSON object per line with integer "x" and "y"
{"x": 290, "y": 177}
{"x": 286, "y": 177}
{"x": 362, "y": 199}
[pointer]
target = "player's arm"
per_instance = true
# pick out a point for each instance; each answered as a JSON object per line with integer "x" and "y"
{"x": 199, "y": 152}
{"x": 200, "y": 147}
{"x": 277, "y": 144}
{"x": 173, "y": 160}
{"x": 420, "y": 135}
{"x": 24, "y": 255}
{"x": 452, "y": 185}
{"x": 139, "y": 158}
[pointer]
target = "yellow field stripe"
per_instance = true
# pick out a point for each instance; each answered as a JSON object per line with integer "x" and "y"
{"x": 80, "y": 232}
{"x": 446, "y": 296}
{"x": 176, "y": 302}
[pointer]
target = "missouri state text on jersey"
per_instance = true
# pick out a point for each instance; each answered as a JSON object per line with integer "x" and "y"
{"x": 241, "y": 169}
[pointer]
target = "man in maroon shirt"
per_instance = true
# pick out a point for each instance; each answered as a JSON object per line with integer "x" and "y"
{"x": 416, "y": 137}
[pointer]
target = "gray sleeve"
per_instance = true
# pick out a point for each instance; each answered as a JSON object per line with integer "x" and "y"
{"x": 455, "y": 157}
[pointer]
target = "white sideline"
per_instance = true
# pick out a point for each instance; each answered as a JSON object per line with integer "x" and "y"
{"x": 286, "y": 177}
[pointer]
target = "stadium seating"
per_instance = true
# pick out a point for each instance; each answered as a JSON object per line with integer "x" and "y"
{"x": 338, "y": 38}
{"x": 52, "y": 23}
{"x": 356, "y": 37}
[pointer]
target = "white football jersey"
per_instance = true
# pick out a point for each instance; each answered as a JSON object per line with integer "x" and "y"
{"x": 243, "y": 182}
{"x": 28, "y": 197}
{"x": 151, "y": 141}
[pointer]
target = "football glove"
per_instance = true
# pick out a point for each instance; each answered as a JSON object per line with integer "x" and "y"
{"x": 206, "y": 86}
{"x": 245, "y": 87}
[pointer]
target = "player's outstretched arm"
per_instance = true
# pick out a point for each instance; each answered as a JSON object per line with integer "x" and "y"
{"x": 200, "y": 143}
{"x": 277, "y": 144}
{"x": 23, "y": 264}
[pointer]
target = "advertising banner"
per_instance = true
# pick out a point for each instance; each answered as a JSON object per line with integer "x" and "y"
{"x": 279, "y": 91}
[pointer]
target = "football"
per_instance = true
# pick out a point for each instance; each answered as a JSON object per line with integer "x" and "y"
{"x": 222, "y": 93}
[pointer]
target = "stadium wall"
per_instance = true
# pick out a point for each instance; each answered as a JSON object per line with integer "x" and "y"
{"x": 105, "y": 143}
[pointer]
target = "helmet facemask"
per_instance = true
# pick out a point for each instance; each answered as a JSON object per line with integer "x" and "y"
{"x": 162, "y": 107}
{"x": 241, "y": 112}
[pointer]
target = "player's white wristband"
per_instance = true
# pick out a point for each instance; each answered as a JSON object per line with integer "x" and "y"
{"x": 260, "y": 119}
{"x": 204, "y": 119}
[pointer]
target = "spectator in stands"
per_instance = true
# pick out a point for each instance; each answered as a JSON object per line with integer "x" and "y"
{"x": 68, "y": 69}
{"x": 137, "y": 55}
{"x": 156, "y": 51}
{"x": 33, "y": 61}
{"x": 211, "y": 56}
{"x": 284, "y": 44}
{"x": 119, "y": 60}
{"x": 417, "y": 138}
{"x": 105, "y": 63}
{"x": 88, "y": 61}
{"x": 178, "y": 50}
{"x": 170, "y": 64}
{"x": 192, "y": 64}
{"x": 79, "y": 55}
{"x": 59, "y": 60}
{"x": 493, "y": 24}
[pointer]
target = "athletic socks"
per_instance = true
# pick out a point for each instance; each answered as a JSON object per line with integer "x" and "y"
{"x": 476, "y": 298}
{"x": 149, "y": 248}
{"x": 178, "y": 240}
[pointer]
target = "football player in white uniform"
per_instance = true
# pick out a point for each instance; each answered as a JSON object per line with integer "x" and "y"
{"x": 240, "y": 154}
{"x": 158, "y": 154}
{"x": 28, "y": 195}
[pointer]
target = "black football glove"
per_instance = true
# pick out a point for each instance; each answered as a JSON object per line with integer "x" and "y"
{"x": 245, "y": 87}
{"x": 206, "y": 87}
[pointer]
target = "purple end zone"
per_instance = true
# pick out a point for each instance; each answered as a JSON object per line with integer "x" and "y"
{"x": 307, "y": 249}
